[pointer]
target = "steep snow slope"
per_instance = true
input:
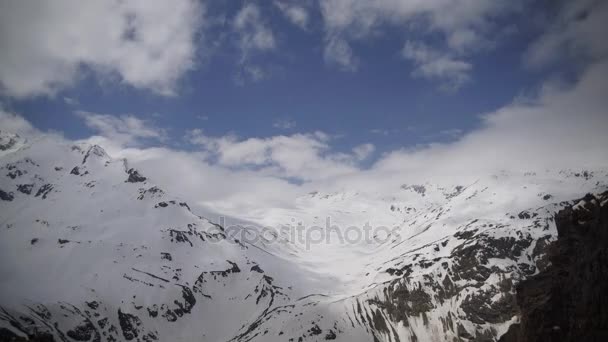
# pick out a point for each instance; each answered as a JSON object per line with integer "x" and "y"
{"x": 92, "y": 250}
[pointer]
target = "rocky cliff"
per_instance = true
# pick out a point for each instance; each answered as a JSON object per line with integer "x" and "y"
{"x": 568, "y": 301}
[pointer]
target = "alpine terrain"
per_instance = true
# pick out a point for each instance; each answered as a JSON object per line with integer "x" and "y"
{"x": 94, "y": 250}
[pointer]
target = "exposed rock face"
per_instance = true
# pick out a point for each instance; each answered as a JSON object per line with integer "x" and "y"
{"x": 135, "y": 177}
{"x": 8, "y": 336}
{"x": 95, "y": 151}
{"x": 6, "y": 196}
{"x": 569, "y": 300}
{"x": 8, "y": 140}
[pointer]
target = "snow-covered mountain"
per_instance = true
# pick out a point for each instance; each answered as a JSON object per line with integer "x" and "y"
{"x": 93, "y": 250}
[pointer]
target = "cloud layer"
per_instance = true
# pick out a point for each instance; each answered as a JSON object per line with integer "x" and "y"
{"x": 126, "y": 130}
{"x": 579, "y": 31}
{"x": 559, "y": 129}
{"x": 302, "y": 157}
{"x": 44, "y": 46}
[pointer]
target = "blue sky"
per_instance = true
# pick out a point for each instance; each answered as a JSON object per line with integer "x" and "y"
{"x": 382, "y": 102}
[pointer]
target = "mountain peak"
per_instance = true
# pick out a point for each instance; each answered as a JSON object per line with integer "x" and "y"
{"x": 95, "y": 152}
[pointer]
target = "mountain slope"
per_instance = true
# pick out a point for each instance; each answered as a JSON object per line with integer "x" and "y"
{"x": 93, "y": 250}
{"x": 447, "y": 271}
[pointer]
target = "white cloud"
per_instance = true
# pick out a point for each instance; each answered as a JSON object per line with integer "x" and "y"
{"x": 466, "y": 25}
{"x": 254, "y": 36}
{"x": 13, "y": 123}
{"x": 70, "y": 101}
{"x": 579, "y": 31}
{"x": 210, "y": 186}
{"x": 145, "y": 44}
{"x": 460, "y": 18}
{"x": 284, "y": 124}
{"x": 562, "y": 128}
{"x": 296, "y": 14}
{"x": 300, "y": 156}
{"x": 460, "y": 40}
{"x": 432, "y": 64}
{"x": 338, "y": 52}
{"x": 124, "y": 130}
{"x": 363, "y": 151}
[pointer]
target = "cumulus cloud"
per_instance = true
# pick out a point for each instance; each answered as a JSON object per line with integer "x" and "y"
{"x": 463, "y": 22}
{"x": 45, "y": 46}
{"x": 124, "y": 129}
{"x": 338, "y": 52}
{"x": 212, "y": 188}
{"x": 303, "y": 157}
{"x": 70, "y": 101}
{"x": 296, "y": 14}
{"x": 253, "y": 31}
{"x": 254, "y": 36}
{"x": 432, "y": 64}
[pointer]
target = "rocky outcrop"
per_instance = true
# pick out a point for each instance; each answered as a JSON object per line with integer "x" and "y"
{"x": 96, "y": 152}
{"x": 8, "y": 140}
{"x": 568, "y": 301}
{"x": 6, "y": 196}
{"x": 135, "y": 176}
